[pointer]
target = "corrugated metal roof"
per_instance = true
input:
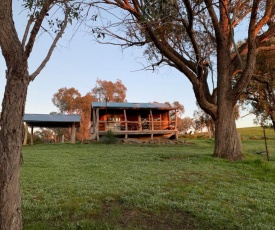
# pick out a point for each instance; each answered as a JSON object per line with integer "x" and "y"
{"x": 51, "y": 118}
{"x": 129, "y": 105}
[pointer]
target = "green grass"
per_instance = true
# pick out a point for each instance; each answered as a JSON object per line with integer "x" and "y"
{"x": 100, "y": 186}
{"x": 256, "y": 133}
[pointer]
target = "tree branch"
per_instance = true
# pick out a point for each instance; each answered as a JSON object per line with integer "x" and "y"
{"x": 9, "y": 41}
{"x": 30, "y": 21}
{"x": 38, "y": 22}
{"x": 251, "y": 55}
{"x": 58, "y": 36}
{"x": 190, "y": 31}
{"x": 213, "y": 16}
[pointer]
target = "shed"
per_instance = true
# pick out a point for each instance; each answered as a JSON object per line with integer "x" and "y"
{"x": 134, "y": 119}
{"x": 51, "y": 121}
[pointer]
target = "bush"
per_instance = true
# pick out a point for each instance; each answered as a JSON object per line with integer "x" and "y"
{"x": 109, "y": 138}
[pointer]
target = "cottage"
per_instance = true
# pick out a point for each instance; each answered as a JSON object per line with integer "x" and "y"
{"x": 133, "y": 119}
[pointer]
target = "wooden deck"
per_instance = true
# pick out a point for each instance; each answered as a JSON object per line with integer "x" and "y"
{"x": 139, "y": 132}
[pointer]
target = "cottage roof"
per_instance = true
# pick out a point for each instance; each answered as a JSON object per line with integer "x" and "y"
{"x": 51, "y": 120}
{"x": 131, "y": 105}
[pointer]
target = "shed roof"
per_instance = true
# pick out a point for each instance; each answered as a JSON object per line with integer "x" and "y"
{"x": 51, "y": 120}
{"x": 131, "y": 105}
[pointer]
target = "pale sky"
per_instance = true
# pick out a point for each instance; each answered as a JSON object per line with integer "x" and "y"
{"x": 78, "y": 62}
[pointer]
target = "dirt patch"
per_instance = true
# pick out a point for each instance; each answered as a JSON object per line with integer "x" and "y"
{"x": 124, "y": 217}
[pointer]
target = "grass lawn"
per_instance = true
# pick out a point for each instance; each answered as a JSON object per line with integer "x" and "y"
{"x": 99, "y": 186}
{"x": 256, "y": 133}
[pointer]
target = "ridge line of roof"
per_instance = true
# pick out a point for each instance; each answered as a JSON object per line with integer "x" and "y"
{"x": 132, "y": 105}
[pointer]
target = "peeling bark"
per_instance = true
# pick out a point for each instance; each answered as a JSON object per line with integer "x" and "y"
{"x": 11, "y": 136}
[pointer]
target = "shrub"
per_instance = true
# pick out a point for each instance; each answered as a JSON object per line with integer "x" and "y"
{"x": 109, "y": 138}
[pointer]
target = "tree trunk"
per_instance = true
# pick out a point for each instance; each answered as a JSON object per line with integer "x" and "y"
{"x": 11, "y": 137}
{"x": 227, "y": 139}
{"x": 26, "y": 135}
{"x": 272, "y": 117}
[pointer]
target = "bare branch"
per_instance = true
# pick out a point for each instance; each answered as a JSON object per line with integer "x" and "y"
{"x": 260, "y": 78}
{"x": 251, "y": 55}
{"x": 50, "y": 51}
{"x": 38, "y": 22}
{"x": 30, "y": 21}
{"x": 268, "y": 11}
{"x": 213, "y": 17}
{"x": 189, "y": 29}
{"x": 265, "y": 48}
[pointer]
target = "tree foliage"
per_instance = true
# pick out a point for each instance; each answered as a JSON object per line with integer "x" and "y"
{"x": 70, "y": 101}
{"x": 67, "y": 100}
{"x": 185, "y": 124}
{"x": 46, "y": 135}
{"x": 108, "y": 90}
{"x": 178, "y": 105}
{"x": 180, "y": 112}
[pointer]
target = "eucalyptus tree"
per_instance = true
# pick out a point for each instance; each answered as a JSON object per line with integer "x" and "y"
{"x": 186, "y": 124}
{"x": 67, "y": 100}
{"x": 196, "y": 37}
{"x": 203, "y": 120}
{"x": 42, "y": 17}
{"x": 178, "y": 105}
{"x": 109, "y": 91}
{"x": 70, "y": 101}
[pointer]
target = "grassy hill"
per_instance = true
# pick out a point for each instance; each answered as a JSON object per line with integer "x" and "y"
{"x": 256, "y": 133}
{"x": 151, "y": 186}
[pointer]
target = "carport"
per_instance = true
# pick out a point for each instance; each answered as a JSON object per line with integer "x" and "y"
{"x": 51, "y": 121}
